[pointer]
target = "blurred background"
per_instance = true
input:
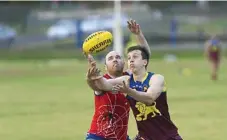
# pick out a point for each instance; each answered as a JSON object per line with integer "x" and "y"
{"x": 43, "y": 92}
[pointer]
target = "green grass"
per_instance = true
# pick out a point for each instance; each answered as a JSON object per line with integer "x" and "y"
{"x": 49, "y": 100}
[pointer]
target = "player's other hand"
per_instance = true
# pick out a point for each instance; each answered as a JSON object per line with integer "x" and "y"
{"x": 124, "y": 87}
{"x": 133, "y": 26}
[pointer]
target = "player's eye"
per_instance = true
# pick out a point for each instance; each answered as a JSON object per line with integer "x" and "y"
{"x": 118, "y": 57}
{"x": 110, "y": 58}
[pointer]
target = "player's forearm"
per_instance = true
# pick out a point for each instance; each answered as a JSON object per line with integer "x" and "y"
{"x": 141, "y": 40}
{"x": 92, "y": 85}
{"x": 141, "y": 96}
{"x": 103, "y": 84}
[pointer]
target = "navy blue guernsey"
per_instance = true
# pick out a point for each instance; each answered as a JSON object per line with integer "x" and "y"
{"x": 153, "y": 121}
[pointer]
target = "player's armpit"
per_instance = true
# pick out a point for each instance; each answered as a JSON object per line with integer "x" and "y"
{"x": 157, "y": 86}
{"x": 107, "y": 84}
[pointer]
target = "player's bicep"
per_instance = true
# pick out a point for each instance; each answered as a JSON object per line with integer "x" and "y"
{"x": 157, "y": 86}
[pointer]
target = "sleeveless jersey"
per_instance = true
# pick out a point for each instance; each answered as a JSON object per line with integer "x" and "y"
{"x": 110, "y": 119}
{"x": 153, "y": 121}
{"x": 214, "y": 49}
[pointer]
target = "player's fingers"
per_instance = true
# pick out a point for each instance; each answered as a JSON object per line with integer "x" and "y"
{"x": 115, "y": 88}
{"x": 131, "y": 20}
{"x": 128, "y": 22}
{"x": 129, "y": 27}
{"x": 137, "y": 26}
{"x": 89, "y": 60}
{"x": 96, "y": 77}
{"x": 98, "y": 71}
{"x": 89, "y": 73}
{"x": 93, "y": 64}
{"x": 123, "y": 82}
{"x": 90, "y": 57}
{"x": 92, "y": 71}
{"x": 131, "y": 23}
{"x": 134, "y": 23}
{"x": 118, "y": 87}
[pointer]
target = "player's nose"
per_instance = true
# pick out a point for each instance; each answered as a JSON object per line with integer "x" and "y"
{"x": 131, "y": 60}
{"x": 114, "y": 60}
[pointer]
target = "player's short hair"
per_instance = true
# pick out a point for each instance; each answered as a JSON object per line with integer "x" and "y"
{"x": 144, "y": 52}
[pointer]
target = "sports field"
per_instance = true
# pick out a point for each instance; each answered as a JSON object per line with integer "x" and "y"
{"x": 49, "y": 100}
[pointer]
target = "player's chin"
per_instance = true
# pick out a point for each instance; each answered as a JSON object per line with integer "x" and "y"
{"x": 118, "y": 69}
{"x": 133, "y": 69}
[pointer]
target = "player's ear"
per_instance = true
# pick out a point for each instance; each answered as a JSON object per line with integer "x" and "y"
{"x": 145, "y": 62}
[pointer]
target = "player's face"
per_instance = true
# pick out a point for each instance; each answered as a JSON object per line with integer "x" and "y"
{"x": 114, "y": 62}
{"x": 135, "y": 61}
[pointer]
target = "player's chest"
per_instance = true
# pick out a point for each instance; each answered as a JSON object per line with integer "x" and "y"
{"x": 139, "y": 86}
{"x": 110, "y": 98}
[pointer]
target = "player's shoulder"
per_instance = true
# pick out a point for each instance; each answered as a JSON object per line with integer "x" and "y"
{"x": 157, "y": 77}
{"x": 160, "y": 80}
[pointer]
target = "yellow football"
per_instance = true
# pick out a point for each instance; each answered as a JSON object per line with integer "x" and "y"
{"x": 97, "y": 42}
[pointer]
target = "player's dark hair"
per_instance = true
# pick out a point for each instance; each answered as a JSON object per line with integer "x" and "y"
{"x": 144, "y": 52}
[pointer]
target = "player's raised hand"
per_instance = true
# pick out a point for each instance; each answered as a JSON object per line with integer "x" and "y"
{"x": 91, "y": 61}
{"x": 133, "y": 26}
{"x": 93, "y": 73}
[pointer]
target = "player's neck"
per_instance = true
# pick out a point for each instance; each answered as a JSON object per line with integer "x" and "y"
{"x": 115, "y": 75}
{"x": 139, "y": 75}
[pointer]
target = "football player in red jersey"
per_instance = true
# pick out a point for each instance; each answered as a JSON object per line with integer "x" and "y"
{"x": 110, "y": 120}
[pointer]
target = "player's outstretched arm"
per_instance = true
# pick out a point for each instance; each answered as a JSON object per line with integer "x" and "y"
{"x": 153, "y": 92}
{"x": 108, "y": 84}
{"x": 136, "y": 30}
{"x": 98, "y": 82}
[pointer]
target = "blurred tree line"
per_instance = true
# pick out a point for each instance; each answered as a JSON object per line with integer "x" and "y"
{"x": 15, "y": 13}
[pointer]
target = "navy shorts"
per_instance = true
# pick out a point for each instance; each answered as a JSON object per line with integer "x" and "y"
{"x": 95, "y": 137}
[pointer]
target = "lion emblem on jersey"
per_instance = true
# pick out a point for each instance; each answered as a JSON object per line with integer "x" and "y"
{"x": 146, "y": 110}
